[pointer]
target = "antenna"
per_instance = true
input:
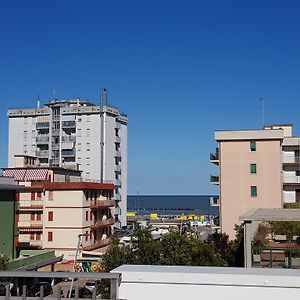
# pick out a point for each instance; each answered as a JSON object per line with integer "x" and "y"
{"x": 103, "y": 97}
{"x": 262, "y": 110}
{"x": 38, "y": 101}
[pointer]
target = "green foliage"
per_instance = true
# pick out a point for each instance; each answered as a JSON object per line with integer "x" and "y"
{"x": 260, "y": 238}
{"x": 292, "y": 205}
{"x": 221, "y": 243}
{"x": 236, "y": 252}
{"x": 288, "y": 228}
{"x": 4, "y": 262}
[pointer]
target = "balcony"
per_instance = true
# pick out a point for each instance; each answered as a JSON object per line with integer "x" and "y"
{"x": 117, "y": 197}
{"x": 214, "y": 201}
{"x": 118, "y": 153}
{"x": 97, "y": 245}
{"x": 102, "y": 204}
{"x": 42, "y": 153}
{"x": 68, "y": 138}
{"x": 67, "y": 145}
{"x": 214, "y": 157}
{"x": 117, "y": 139}
{"x": 68, "y": 124}
{"x": 215, "y": 180}
{"x": 36, "y": 243}
{"x": 117, "y": 168}
{"x": 42, "y": 125}
{"x": 290, "y": 160}
{"x": 291, "y": 179}
{"x": 118, "y": 125}
{"x": 117, "y": 211}
{"x": 103, "y": 223}
{"x": 67, "y": 153}
{"x": 118, "y": 182}
{"x": 42, "y": 139}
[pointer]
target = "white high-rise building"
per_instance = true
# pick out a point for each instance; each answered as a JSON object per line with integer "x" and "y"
{"x": 75, "y": 134}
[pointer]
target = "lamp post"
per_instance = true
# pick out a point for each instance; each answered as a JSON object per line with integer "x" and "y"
{"x": 75, "y": 259}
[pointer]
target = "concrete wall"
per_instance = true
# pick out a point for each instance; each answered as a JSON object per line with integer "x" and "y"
{"x": 177, "y": 283}
{"x": 236, "y": 179}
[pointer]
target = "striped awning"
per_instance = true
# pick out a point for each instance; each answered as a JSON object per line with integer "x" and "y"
{"x": 26, "y": 174}
{"x": 35, "y": 174}
{"x": 18, "y": 174}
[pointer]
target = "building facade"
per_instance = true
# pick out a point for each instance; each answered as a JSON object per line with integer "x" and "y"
{"x": 56, "y": 205}
{"x": 75, "y": 134}
{"x": 257, "y": 169}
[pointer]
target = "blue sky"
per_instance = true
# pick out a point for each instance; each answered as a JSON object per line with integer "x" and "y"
{"x": 179, "y": 69}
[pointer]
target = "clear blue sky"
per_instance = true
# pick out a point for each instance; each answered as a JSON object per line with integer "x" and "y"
{"x": 179, "y": 69}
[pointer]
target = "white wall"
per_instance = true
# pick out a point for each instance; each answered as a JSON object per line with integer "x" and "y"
{"x": 177, "y": 283}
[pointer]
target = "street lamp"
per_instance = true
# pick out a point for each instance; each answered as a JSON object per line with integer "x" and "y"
{"x": 75, "y": 259}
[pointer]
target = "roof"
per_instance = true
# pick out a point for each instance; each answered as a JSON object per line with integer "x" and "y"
{"x": 237, "y": 135}
{"x": 271, "y": 214}
{"x": 24, "y": 174}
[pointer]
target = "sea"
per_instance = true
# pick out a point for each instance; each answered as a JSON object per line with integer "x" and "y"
{"x": 171, "y": 204}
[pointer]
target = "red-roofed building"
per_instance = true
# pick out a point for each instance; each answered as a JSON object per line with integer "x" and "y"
{"x": 56, "y": 205}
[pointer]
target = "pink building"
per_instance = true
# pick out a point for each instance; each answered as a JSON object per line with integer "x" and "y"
{"x": 250, "y": 171}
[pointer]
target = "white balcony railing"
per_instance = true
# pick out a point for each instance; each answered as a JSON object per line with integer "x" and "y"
{"x": 291, "y": 179}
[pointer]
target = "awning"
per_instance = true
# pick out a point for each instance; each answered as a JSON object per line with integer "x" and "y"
{"x": 18, "y": 174}
{"x": 35, "y": 174}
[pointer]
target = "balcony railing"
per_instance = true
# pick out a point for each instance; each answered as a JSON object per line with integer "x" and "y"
{"x": 117, "y": 197}
{"x": 42, "y": 125}
{"x": 214, "y": 201}
{"x": 42, "y": 139}
{"x": 68, "y": 124}
{"x": 291, "y": 159}
{"x": 42, "y": 153}
{"x": 66, "y": 153}
{"x": 102, "y": 204}
{"x": 214, "y": 179}
{"x": 36, "y": 243}
{"x": 214, "y": 158}
{"x": 291, "y": 179}
{"x": 103, "y": 223}
{"x": 12, "y": 278}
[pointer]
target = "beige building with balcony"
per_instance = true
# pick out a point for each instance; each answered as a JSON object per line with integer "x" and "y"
{"x": 257, "y": 169}
{"x": 56, "y": 206}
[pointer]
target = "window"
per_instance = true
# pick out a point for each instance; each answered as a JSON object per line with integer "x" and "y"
{"x": 32, "y": 196}
{"x": 39, "y": 217}
{"x": 32, "y": 216}
{"x": 50, "y": 195}
{"x": 253, "y": 168}
{"x": 86, "y": 215}
{"x": 88, "y": 132}
{"x": 86, "y": 236}
{"x": 79, "y": 132}
{"x": 38, "y": 195}
{"x": 50, "y": 236}
{"x": 252, "y": 146}
{"x": 32, "y": 236}
{"x": 38, "y": 236}
{"x": 253, "y": 191}
{"x": 50, "y": 215}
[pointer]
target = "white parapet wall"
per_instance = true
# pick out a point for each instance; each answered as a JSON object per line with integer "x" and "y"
{"x": 178, "y": 282}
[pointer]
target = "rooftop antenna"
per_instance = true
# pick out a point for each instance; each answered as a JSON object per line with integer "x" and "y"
{"x": 103, "y": 97}
{"x": 38, "y": 101}
{"x": 262, "y": 110}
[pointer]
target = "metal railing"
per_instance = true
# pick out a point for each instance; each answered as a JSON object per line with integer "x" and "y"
{"x": 17, "y": 284}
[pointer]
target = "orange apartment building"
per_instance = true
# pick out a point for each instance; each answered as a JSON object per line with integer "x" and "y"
{"x": 256, "y": 169}
{"x": 56, "y": 206}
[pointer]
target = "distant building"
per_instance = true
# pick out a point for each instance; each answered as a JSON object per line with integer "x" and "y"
{"x": 8, "y": 209}
{"x": 56, "y": 205}
{"x": 75, "y": 134}
{"x": 257, "y": 169}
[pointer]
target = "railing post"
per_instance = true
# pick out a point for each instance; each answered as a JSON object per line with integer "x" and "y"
{"x": 7, "y": 292}
{"x": 113, "y": 288}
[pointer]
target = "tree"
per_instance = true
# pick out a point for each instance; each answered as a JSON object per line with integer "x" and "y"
{"x": 236, "y": 252}
{"x": 4, "y": 262}
{"x": 221, "y": 243}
